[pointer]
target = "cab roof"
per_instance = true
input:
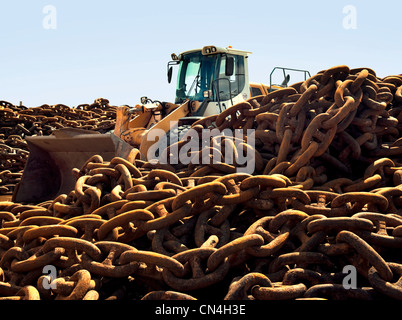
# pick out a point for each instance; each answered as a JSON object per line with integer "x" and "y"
{"x": 209, "y": 50}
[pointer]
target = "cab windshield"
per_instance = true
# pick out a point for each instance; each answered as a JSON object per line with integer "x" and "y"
{"x": 196, "y": 73}
{"x": 199, "y": 73}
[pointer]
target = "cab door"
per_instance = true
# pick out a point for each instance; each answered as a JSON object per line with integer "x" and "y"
{"x": 230, "y": 81}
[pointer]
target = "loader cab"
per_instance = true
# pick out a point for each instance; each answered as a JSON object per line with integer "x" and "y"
{"x": 216, "y": 77}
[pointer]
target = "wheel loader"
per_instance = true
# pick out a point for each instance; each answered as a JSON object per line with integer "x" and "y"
{"x": 209, "y": 80}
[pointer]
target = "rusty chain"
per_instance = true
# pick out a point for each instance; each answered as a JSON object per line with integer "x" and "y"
{"x": 325, "y": 193}
{"x": 18, "y": 122}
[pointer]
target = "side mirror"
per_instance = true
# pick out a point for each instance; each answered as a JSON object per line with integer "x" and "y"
{"x": 169, "y": 74}
{"x": 144, "y": 100}
{"x": 229, "y": 67}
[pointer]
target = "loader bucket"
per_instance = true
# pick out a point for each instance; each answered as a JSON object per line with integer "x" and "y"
{"x": 48, "y": 171}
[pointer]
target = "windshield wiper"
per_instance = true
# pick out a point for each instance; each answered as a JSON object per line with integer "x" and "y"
{"x": 196, "y": 80}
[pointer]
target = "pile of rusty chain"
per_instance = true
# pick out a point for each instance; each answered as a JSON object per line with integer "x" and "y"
{"x": 333, "y": 125}
{"x": 18, "y": 122}
{"x": 139, "y": 231}
{"x": 325, "y": 197}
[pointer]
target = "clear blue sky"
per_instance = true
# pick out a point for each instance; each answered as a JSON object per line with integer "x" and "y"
{"x": 119, "y": 49}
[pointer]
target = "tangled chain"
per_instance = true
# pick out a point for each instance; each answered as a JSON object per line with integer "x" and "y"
{"x": 18, "y": 122}
{"x": 325, "y": 194}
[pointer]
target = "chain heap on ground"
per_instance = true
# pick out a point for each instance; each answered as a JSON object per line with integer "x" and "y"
{"x": 18, "y": 122}
{"x": 325, "y": 194}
